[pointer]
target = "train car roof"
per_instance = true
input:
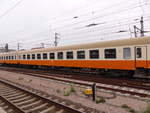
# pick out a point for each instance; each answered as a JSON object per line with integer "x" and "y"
{"x": 111, "y": 43}
{"x": 102, "y": 44}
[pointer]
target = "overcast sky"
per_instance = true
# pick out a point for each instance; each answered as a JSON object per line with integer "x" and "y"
{"x": 31, "y": 22}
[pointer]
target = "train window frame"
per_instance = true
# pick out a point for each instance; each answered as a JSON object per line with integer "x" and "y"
{"x": 45, "y": 56}
{"x": 79, "y": 54}
{"x": 71, "y": 56}
{"x": 28, "y": 56}
{"x": 33, "y": 56}
{"x": 52, "y": 57}
{"x": 19, "y": 56}
{"x": 93, "y": 57}
{"x": 24, "y": 57}
{"x": 38, "y": 56}
{"x": 127, "y": 53}
{"x": 110, "y": 55}
{"x": 15, "y": 56}
{"x": 138, "y": 53}
{"x": 60, "y": 55}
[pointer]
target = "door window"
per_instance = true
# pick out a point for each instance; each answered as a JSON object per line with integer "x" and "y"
{"x": 138, "y": 52}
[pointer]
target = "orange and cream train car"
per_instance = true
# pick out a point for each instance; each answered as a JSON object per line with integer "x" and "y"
{"x": 124, "y": 56}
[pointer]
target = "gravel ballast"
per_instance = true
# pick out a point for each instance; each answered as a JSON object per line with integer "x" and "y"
{"x": 113, "y": 102}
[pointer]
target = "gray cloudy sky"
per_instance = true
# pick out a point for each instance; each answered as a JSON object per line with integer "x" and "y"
{"x": 31, "y": 22}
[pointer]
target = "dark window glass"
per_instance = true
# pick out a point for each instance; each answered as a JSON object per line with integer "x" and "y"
{"x": 44, "y": 55}
{"x": 33, "y": 56}
{"x": 94, "y": 54}
{"x": 138, "y": 53}
{"x": 9, "y": 58}
{"x": 6, "y": 57}
{"x": 80, "y": 54}
{"x": 110, "y": 53}
{"x": 12, "y": 57}
{"x": 126, "y": 53}
{"x": 52, "y": 55}
{"x": 28, "y": 56}
{"x": 70, "y": 55}
{"x": 60, "y": 55}
{"x": 38, "y": 56}
{"x": 24, "y": 56}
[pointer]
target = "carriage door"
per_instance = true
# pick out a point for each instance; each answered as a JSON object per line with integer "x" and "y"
{"x": 141, "y": 56}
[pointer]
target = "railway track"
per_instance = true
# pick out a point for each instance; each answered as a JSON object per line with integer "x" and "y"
{"x": 121, "y": 83}
{"x": 16, "y": 99}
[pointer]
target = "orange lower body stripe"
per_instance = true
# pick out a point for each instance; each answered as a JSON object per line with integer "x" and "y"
{"x": 107, "y": 64}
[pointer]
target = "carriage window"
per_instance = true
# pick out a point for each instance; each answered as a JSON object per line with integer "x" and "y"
{"x": 19, "y": 56}
{"x": 110, "y": 53}
{"x": 60, "y": 55}
{"x": 52, "y": 55}
{"x": 44, "y": 55}
{"x": 28, "y": 56}
{"x": 80, "y": 54}
{"x": 138, "y": 52}
{"x": 70, "y": 55}
{"x": 9, "y": 58}
{"x": 33, "y": 56}
{"x": 12, "y": 57}
{"x": 24, "y": 56}
{"x": 38, "y": 56}
{"x": 126, "y": 53}
{"x": 94, "y": 54}
{"x": 6, "y": 57}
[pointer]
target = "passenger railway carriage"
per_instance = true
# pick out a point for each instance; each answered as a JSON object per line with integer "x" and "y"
{"x": 127, "y": 56}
